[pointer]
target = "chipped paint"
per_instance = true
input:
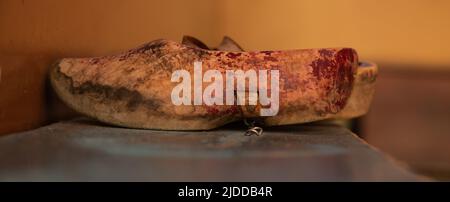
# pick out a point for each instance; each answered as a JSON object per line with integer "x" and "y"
{"x": 132, "y": 89}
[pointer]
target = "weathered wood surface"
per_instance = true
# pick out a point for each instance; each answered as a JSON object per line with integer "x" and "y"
{"x": 83, "y": 150}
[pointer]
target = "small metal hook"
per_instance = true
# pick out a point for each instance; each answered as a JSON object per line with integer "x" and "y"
{"x": 252, "y": 129}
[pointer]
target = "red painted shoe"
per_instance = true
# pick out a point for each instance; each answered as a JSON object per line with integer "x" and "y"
{"x": 134, "y": 89}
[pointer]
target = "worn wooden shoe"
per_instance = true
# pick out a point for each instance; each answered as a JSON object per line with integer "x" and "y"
{"x": 134, "y": 88}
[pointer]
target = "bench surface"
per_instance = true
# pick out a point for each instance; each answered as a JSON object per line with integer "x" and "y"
{"x": 84, "y": 150}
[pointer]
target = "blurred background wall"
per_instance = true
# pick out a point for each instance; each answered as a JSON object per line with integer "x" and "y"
{"x": 408, "y": 39}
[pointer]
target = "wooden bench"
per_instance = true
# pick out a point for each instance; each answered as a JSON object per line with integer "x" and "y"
{"x": 84, "y": 150}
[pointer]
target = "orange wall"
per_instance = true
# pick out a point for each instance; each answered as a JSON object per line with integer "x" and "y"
{"x": 402, "y": 32}
{"x": 91, "y": 27}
